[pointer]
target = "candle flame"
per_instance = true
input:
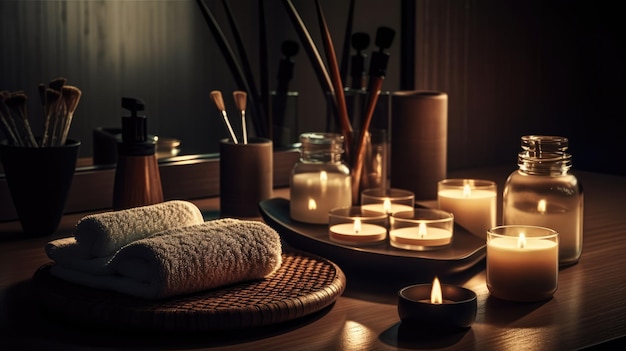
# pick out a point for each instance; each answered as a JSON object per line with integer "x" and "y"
{"x": 421, "y": 230}
{"x": 467, "y": 190}
{"x": 312, "y": 205}
{"x": 436, "y": 297}
{"x": 541, "y": 206}
{"x": 521, "y": 241}
{"x": 387, "y": 205}
{"x": 357, "y": 225}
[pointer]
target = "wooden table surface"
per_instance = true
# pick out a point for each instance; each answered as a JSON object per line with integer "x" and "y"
{"x": 589, "y": 307}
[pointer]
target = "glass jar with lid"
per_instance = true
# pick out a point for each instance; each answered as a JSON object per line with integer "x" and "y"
{"x": 543, "y": 192}
{"x": 320, "y": 180}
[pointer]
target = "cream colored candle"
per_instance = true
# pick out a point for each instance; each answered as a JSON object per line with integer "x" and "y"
{"x": 421, "y": 229}
{"x": 357, "y": 232}
{"x": 420, "y": 236}
{"x": 473, "y": 203}
{"x": 522, "y": 262}
{"x": 388, "y": 207}
{"x": 313, "y": 195}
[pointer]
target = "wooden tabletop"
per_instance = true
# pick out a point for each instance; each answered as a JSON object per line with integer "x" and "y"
{"x": 588, "y": 308}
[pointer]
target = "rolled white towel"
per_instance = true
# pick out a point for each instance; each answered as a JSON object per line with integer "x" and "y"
{"x": 102, "y": 234}
{"x": 188, "y": 260}
{"x": 66, "y": 252}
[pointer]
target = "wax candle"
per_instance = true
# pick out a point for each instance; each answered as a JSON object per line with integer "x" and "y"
{"x": 472, "y": 201}
{"x": 313, "y": 195}
{"x": 522, "y": 262}
{"x": 387, "y": 200}
{"x": 437, "y": 307}
{"x": 421, "y": 229}
{"x": 354, "y": 225}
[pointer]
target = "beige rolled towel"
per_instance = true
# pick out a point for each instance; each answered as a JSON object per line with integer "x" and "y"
{"x": 187, "y": 260}
{"x": 102, "y": 234}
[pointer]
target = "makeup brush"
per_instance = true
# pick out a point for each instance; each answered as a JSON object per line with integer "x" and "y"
{"x": 17, "y": 104}
{"x": 360, "y": 42}
{"x": 7, "y": 124}
{"x": 71, "y": 96}
{"x": 377, "y": 71}
{"x": 217, "y": 98}
{"x": 51, "y": 111}
{"x": 240, "y": 100}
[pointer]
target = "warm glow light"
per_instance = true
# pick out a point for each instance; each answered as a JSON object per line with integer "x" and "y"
{"x": 541, "y": 206}
{"x": 521, "y": 241}
{"x": 435, "y": 294}
{"x": 421, "y": 230}
{"x": 357, "y": 225}
{"x": 324, "y": 181}
{"x": 312, "y": 205}
{"x": 467, "y": 190}
{"x": 387, "y": 205}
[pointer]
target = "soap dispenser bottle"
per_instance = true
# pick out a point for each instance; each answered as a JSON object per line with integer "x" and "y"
{"x": 137, "y": 177}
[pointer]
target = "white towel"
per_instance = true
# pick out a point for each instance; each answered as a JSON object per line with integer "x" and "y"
{"x": 102, "y": 234}
{"x": 187, "y": 260}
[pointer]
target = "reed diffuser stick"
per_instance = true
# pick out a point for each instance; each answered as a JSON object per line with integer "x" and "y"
{"x": 231, "y": 60}
{"x": 347, "y": 37}
{"x": 6, "y": 121}
{"x": 266, "y": 97}
{"x": 311, "y": 49}
{"x": 17, "y": 104}
{"x": 217, "y": 98}
{"x": 331, "y": 58}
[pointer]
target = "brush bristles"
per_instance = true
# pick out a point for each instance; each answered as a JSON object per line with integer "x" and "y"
{"x": 240, "y": 99}
{"x": 216, "y": 95}
{"x": 71, "y": 97}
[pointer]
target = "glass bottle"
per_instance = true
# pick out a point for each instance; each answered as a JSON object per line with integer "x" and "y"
{"x": 320, "y": 180}
{"x": 543, "y": 192}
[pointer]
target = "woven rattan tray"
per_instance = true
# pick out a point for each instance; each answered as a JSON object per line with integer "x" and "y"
{"x": 304, "y": 284}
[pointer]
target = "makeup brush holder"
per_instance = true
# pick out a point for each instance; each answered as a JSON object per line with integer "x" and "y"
{"x": 246, "y": 176}
{"x": 39, "y": 180}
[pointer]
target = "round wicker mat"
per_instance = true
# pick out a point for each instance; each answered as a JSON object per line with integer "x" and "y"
{"x": 304, "y": 284}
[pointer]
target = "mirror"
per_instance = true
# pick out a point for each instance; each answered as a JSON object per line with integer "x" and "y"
{"x": 164, "y": 53}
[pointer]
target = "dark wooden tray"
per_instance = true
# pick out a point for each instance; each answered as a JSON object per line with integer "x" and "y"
{"x": 466, "y": 249}
{"x": 304, "y": 284}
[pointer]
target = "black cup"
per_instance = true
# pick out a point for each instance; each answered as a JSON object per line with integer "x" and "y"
{"x": 39, "y": 180}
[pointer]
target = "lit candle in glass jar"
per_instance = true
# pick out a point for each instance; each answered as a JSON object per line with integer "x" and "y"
{"x": 354, "y": 225}
{"x": 421, "y": 229}
{"x": 387, "y": 200}
{"x": 522, "y": 262}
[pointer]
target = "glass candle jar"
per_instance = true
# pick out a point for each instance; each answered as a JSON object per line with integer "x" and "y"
{"x": 320, "y": 180}
{"x": 387, "y": 201}
{"x": 421, "y": 229}
{"x": 543, "y": 192}
{"x": 356, "y": 226}
{"x": 522, "y": 262}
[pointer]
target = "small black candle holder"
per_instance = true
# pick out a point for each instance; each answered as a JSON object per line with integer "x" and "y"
{"x": 457, "y": 311}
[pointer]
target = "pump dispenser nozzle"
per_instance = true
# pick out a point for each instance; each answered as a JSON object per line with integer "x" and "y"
{"x": 135, "y": 129}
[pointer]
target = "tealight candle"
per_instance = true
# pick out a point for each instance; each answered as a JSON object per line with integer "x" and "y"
{"x": 472, "y": 201}
{"x": 421, "y": 229}
{"x": 437, "y": 306}
{"x": 387, "y": 200}
{"x": 357, "y": 226}
{"x": 522, "y": 262}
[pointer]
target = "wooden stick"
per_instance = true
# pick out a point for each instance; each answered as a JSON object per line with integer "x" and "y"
{"x": 230, "y": 59}
{"x": 6, "y": 123}
{"x": 17, "y": 104}
{"x": 71, "y": 97}
{"x": 347, "y": 38}
{"x": 342, "y": 110}
{"x": 310, "y": 48}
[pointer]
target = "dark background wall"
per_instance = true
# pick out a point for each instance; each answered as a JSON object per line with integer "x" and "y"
{"x": 509, "y": 68}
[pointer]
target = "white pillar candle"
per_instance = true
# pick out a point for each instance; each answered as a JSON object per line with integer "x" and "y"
{"x": 473, "y": 203}
{"x": 522, "y": 262}
{"x": 313, "y": 195}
